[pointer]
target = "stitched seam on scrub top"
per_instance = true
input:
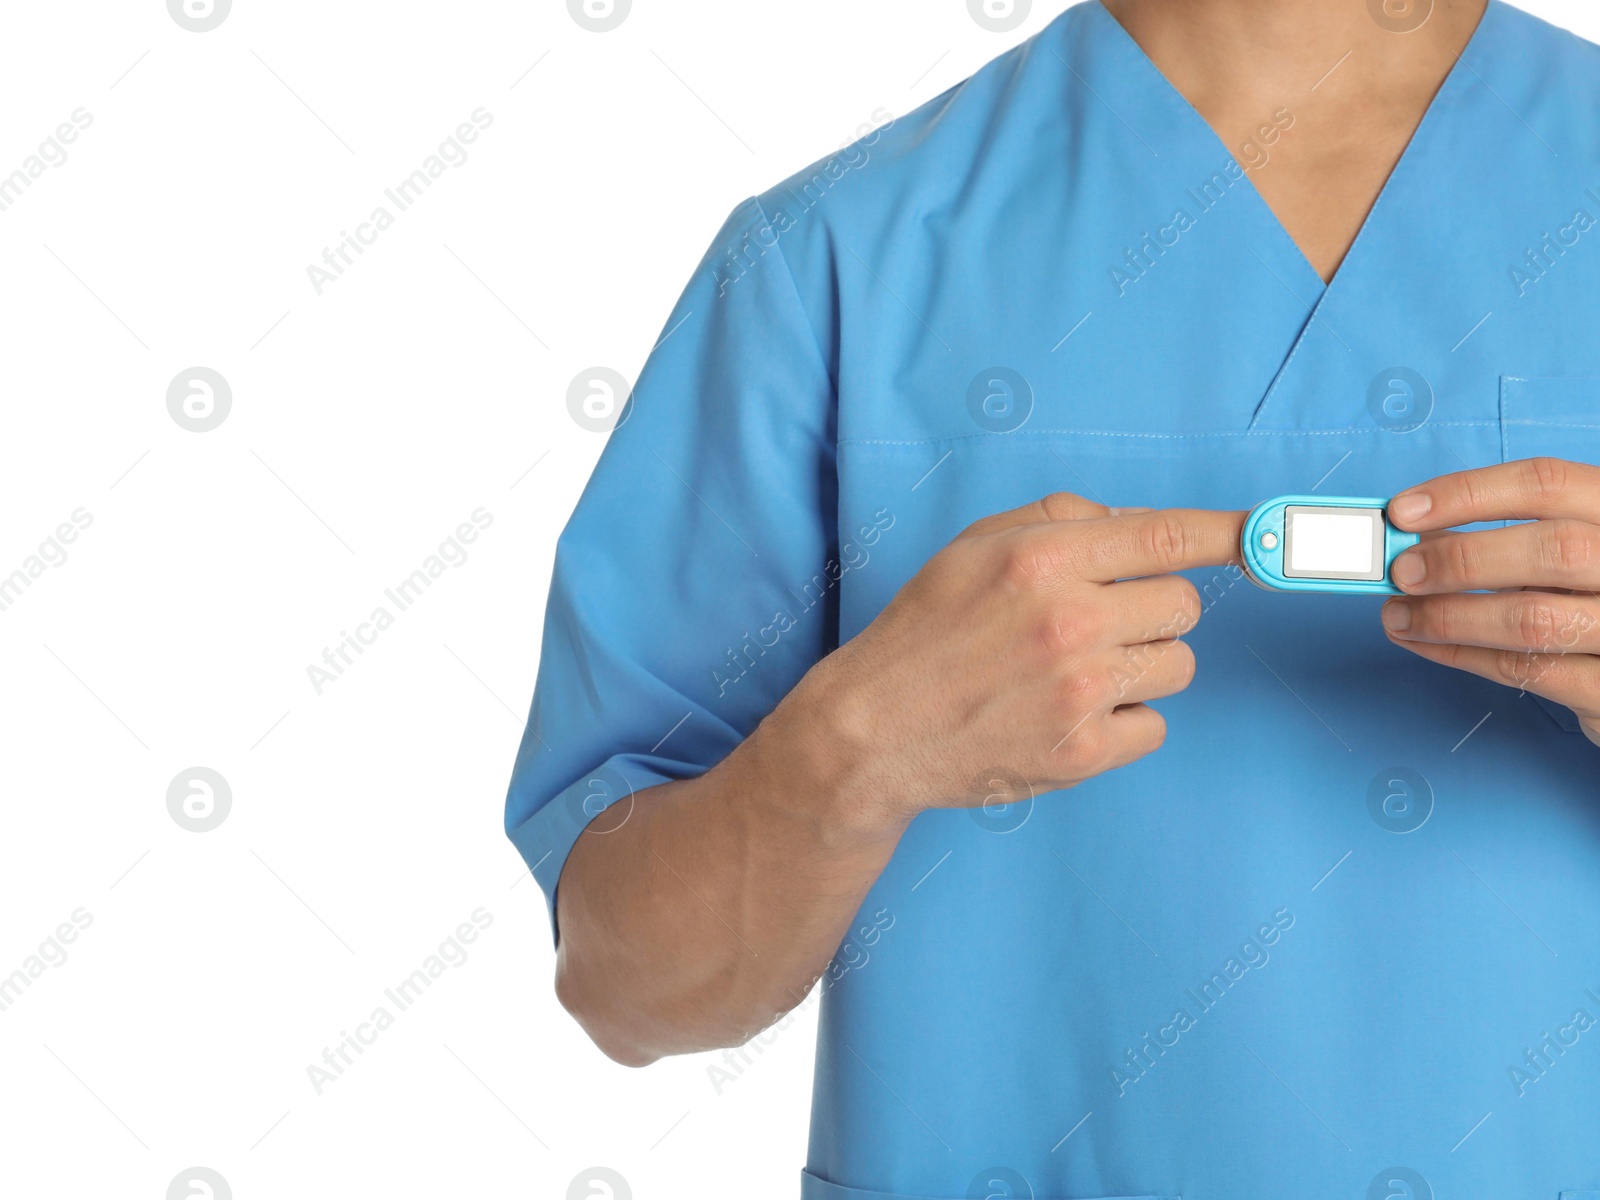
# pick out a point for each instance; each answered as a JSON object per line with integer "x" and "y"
{"x": 1113, "y": 433}
{"x": 1505, "y": 405}
{"x": 1505, "y": 393}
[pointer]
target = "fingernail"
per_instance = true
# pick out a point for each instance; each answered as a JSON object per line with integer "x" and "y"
{"x": 1409, "y": 569}
{"x": 1397, "y": 616}
{"x": 1411, "y": 507}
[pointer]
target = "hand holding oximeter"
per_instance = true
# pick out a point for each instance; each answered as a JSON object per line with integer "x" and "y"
{"x": 1322, "y": 544}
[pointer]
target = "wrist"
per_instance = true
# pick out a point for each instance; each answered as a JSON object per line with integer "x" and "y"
{"x": 822, "y": 742}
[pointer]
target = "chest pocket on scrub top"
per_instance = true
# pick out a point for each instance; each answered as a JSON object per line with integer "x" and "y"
{"x": 1554, "y": 418}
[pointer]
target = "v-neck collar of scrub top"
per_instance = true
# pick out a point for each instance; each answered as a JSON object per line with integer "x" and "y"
{"x": 1121, "y": 76}
{"x": 1188, "y": 125}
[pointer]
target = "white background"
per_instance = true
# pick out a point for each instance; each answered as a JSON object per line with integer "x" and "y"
{"x": 367, "y": 422}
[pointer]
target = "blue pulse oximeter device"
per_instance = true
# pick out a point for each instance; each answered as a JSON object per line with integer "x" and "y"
{"x": 1322, "y": 544}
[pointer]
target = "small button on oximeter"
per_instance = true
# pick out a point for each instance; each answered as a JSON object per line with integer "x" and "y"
{"x": 1322, "y": 544}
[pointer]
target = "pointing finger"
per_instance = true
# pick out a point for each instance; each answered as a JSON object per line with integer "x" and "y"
{"x": 1058, "y": 506}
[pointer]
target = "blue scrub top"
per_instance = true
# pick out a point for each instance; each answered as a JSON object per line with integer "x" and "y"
{"x": 1340, "y": 936}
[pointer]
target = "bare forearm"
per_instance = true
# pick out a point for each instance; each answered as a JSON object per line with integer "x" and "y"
{"x": 1033, "y": 640}
{"x": 713, "y": 907}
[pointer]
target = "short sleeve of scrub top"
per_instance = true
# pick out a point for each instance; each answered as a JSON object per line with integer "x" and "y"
{"x": 695, "y": 582}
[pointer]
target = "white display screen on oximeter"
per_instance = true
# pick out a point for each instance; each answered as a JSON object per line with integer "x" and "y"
{"x": 1333, "y": 543}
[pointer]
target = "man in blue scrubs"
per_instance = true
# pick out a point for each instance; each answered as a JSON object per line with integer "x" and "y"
{"x": 935, "y": 482}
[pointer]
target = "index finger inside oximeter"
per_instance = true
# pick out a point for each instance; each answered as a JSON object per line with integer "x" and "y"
{"x": 1322, "y": 544}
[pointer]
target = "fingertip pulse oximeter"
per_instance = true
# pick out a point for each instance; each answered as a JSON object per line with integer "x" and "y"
{"x": 1322, "y": 544}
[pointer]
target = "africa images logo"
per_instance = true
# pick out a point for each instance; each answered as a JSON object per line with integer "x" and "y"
{"x": 199, "y": 16}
